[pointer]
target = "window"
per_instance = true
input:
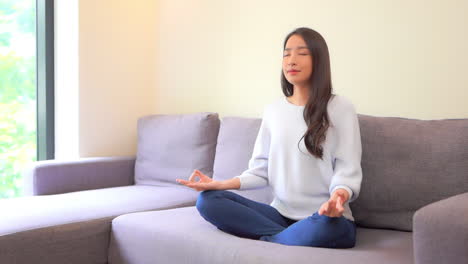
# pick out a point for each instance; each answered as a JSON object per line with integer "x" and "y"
{"x": 26, "y": 89}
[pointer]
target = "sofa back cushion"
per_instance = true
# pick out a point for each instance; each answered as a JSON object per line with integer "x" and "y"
{"x": 234, "y": 149}
{"x": 407, "y": 164}
{"x": 172, "y": 146}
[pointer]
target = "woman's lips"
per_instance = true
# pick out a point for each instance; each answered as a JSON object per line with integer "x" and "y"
{"x": 293, "y": 72}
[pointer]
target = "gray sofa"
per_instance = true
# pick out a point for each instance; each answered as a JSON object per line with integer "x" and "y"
{"x": 412, "y": 207}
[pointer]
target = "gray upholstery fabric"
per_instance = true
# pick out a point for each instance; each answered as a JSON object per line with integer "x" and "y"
{"x": 183, "y": 236}
{"x": 74, "y": 243}
{"x": 31, "y": 212}
{"x": 407, "y": 164}
{"x": 441, "y": 231}
{"x": 234, "y": 147}
{"x": 262, "y": 195}
{"x": 233, "y": 152}
{"x": 172, "y": 146}
{"x": 62, "y": 176}
{"x": 75, "y": 227}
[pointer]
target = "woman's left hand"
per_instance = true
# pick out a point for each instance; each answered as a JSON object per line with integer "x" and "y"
{"x": 333, "y": 207}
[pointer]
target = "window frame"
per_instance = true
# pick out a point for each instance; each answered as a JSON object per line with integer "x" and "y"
{"x": 45, "y": 80}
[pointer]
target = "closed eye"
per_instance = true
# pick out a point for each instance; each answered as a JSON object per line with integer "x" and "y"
{"x": 299, "y": 54}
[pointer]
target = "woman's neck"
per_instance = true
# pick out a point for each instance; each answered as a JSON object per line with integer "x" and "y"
{"x": 300, "y": 95}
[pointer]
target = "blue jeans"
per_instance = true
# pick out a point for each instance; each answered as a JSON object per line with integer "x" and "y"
{"x": 242, "y": 217}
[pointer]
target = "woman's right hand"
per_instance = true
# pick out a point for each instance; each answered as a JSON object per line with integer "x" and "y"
{"x": 205, "y": 182}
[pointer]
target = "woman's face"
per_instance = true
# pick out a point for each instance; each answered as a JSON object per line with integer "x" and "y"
{"x": 297, "y": 61}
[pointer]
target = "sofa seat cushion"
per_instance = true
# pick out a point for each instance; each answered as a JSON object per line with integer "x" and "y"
{"x": 183, "y": 236}
{"x": 74, "y": 228}
{"x": 31, "y": 212}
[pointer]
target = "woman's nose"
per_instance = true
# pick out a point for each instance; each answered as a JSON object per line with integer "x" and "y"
{"x": 292, "y": 60}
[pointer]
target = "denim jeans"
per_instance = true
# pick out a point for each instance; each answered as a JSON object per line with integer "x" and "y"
{"x": 242, "y": 217}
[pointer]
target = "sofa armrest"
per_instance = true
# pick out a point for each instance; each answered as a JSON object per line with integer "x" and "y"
{"x": 440, "y": 231}
{"x": 59, "y": 176}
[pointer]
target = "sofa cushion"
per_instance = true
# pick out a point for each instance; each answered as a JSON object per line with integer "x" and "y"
{"x": 407, "y": 164}
{"x": 236, "y": 140}
{"x": 172, "y": 146}
{"x": 76, "y": 226}
{"x": 32, "y": 212}
{"x": 183, "y": 236}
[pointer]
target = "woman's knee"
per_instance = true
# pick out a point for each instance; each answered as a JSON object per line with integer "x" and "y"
{"x": 332, "y": 232}
{"x": 205, "y": 198}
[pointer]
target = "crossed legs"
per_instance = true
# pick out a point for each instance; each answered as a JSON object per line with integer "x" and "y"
{"x": 237, "y": 215}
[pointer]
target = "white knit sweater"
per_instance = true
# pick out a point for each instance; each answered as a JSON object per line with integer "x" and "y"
{"x": 300, "y": 181}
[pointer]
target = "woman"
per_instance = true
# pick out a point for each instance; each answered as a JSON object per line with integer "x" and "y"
{"x": 308, "y": 149}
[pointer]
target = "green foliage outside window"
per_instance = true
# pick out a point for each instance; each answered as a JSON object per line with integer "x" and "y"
{"x": 17, "y": 93}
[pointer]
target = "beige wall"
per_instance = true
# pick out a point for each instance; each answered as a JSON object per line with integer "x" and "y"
{"x": 106, "y": 49}
{"x": 390, "y": 58}
{"x": 117, "y": 73}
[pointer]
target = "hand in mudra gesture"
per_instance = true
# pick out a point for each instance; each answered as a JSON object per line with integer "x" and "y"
{"x": 333, "y": 207}
{"x": 204, "y": 183}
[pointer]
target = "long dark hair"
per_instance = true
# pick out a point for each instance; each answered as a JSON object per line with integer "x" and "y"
{"x": 320, "y": 90}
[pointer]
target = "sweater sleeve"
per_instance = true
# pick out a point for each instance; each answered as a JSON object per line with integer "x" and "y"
{"x": 347, "y": 171}
{"x": 257, "y": 173}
